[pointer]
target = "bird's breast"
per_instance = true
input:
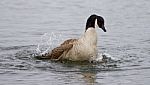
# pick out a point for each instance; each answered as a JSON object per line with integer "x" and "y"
{"x": 81, "y": 52}
{"x": 84, "y": 48}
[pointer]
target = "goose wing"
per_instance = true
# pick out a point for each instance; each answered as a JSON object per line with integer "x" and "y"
{"x": 69, "y": 41}
{"x": 56, "y": 53}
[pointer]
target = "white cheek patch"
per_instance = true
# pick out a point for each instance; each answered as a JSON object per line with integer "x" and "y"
{"x": 96, "y": 25}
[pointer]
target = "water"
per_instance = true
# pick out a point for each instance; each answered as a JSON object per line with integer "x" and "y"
{"x": 23, "y": 22}
{"x": 48, "y": 42}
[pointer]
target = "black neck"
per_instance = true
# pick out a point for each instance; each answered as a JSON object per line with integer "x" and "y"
{"x": 91, "y": 22}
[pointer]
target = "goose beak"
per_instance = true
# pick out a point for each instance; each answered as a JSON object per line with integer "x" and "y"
{"x": 103, "y": 28}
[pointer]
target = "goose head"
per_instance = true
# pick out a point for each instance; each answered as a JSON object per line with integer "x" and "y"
{"x": 95, "y": 20}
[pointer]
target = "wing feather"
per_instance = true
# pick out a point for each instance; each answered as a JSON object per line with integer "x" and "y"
{"x": 69, "y": 41}
{"x": 58, "y": 51}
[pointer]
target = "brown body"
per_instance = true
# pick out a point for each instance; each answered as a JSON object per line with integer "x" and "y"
{"x": 58, "y": 51}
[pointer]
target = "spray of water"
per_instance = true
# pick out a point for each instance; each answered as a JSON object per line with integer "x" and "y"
{"x": 48, "y": 41}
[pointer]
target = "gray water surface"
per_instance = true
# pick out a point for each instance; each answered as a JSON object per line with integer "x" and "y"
{"x": 23, "y": 22}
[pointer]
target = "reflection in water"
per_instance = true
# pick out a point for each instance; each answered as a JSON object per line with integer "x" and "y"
{"x": 89, "y": 77}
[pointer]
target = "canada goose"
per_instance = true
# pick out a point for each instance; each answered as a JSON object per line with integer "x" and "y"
{"x": 81, "y": 49}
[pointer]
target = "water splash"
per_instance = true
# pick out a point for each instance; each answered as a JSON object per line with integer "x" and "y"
{"x": 103, "y": 57}
{"x": 48, "y": 41}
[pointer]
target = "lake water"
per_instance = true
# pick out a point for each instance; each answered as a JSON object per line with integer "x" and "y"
{"x": 23, "y": 22}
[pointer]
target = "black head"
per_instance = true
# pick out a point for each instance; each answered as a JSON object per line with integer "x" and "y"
{"x": 91, "y": 22}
